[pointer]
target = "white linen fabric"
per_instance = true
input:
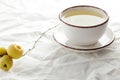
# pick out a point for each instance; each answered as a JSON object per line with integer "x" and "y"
{"x": 23, "y": 22}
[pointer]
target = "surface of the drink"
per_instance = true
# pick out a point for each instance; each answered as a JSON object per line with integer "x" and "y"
{"x": 84, "y": 20}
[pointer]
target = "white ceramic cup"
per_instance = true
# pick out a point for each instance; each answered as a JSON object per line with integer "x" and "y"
{"x": 83, "y": 35}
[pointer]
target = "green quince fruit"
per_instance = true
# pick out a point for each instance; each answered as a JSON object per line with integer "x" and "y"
{"x": 6, "y": 62}
{"x": 3, "y": 51}
{"x": 15, "y": 51}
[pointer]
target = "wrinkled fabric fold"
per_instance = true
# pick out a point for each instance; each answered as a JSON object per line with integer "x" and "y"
{"x": 24, "y": 21}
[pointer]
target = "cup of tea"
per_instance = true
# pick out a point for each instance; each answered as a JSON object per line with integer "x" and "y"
{"x": 83, "y": 25}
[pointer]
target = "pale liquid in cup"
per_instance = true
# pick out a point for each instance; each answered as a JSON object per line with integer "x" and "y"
{"x": 84, "y": 20}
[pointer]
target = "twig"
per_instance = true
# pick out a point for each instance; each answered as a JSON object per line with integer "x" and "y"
{"x": 41, "y": 35}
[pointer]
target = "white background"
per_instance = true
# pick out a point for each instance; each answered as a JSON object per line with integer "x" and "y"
{"x": 22, "y": 21}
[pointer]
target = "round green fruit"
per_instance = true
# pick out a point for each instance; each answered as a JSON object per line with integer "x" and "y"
{"x": 6, "y": 62}
{"x": 3, "y": 51}
{"x": 15, "y": 51}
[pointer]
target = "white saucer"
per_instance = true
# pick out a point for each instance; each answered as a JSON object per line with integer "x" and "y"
{"x": 104, "y": 41}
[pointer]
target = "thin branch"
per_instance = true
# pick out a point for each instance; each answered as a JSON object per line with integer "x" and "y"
{"x": 41, "y": 35}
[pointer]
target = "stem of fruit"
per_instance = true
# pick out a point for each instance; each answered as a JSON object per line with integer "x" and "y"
{"x": 41, "y": 35}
